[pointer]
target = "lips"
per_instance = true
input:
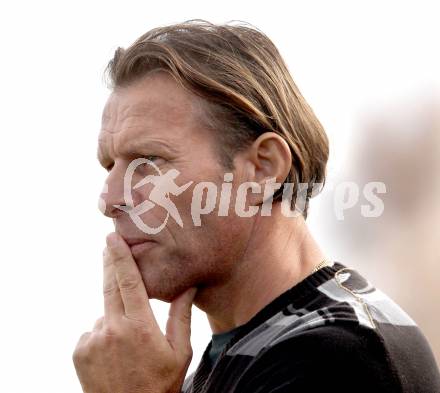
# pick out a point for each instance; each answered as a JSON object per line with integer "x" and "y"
{"x": 139, "y": 246}
{"x": 133, "y": 242}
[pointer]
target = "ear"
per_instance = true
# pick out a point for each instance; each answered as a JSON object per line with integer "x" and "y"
{"x": 268, "y": 159}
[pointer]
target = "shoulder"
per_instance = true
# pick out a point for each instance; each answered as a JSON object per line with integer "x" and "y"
{"x": 343, "y": 357}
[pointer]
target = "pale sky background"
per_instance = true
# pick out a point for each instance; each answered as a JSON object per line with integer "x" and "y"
{"x": 347, "y": 57}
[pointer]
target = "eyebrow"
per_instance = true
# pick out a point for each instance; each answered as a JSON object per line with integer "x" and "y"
{"x": 147, "y": 145}
{"x": 133, "y": 149}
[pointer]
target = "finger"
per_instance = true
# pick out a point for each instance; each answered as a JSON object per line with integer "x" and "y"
{"x": 83, "y": 339}
{"x": 98, "y": 324}
{"x": 131, "y": 287}
{"x": 113, "y": 306}
{"x": 81, "y": 348}
{"x": 178, "y": 329}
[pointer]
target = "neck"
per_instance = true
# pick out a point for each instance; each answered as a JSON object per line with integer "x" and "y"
{"x": 281, "y": 253}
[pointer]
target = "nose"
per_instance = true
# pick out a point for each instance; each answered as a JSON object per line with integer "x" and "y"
{"x": 112, "y": 196}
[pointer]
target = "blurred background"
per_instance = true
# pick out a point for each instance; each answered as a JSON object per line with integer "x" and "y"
{"x": 397, "y": 144}
{"x": 368, "y": 69}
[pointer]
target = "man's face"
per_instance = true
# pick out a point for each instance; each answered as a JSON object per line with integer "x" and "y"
{"x": 157, "y": 119}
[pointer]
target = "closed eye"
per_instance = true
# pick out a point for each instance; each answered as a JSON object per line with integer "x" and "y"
{"x": 152, "y": 158}
{"x": 148, "y": 165}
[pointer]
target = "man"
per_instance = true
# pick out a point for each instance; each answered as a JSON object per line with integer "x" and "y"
{"x": 217, "y": 104}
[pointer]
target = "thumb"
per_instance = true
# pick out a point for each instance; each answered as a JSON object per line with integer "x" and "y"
{"x": 178, "y": 330}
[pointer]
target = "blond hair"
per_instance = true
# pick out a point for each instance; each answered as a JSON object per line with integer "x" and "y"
{"x": 245, "y": 86}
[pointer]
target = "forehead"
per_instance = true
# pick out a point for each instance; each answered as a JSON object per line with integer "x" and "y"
{"x": 155, "y": 107}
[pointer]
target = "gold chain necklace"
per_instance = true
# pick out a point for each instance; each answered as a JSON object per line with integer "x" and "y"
{"x": 321, "y": 264}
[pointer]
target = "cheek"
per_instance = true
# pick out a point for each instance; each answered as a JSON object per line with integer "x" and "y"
{"x": 213, "y": 228}
{"x": 222, "y": 237}
{"x": 155, "y": 217}
{"x": 157, "y": 211}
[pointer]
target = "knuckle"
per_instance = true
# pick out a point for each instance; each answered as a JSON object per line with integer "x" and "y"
{"x": 108, "y": 338}
{"x": 110, "y": 332}
{"x": 187, "y": 352}
{"x": 145, "y": 337}
{"x": 129, "y": 282}
{"x": 81, "y": 352}
{"x": 99, "y": 323}
{"x": 109, "y": 289}
{"x": 78, "y": 355}
{"x": 82, "y": 340}
{"x": 117, "y": 258}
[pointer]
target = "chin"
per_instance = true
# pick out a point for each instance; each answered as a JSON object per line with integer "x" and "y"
{"x": 160, "y": 288}
{"x": 162, "y": 295}
{"x": 165, "y": 277}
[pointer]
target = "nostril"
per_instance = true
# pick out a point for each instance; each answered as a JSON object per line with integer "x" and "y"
{"x": 124, "y": 208}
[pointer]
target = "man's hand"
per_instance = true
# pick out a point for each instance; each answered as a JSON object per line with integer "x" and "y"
{"x": 126, "y": 352}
